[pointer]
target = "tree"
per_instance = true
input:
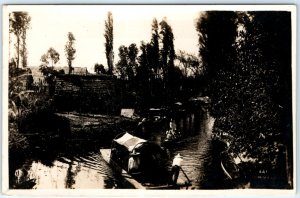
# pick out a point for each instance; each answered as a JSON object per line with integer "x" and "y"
{"x": 19, "y": 23}
{"x": 49, "y": 72}
{"x": 70, "y": 50}
{"x": 190, "y": 63}
{"x": 143, "y": 77}
{"x": 167, "y": 51}
{"x": 52, "y": 55}
{"x": 99, "y": 69}
{"x": 217, "y": 32}
{"x": 264, "y": 58}
{"x": 44, "y": 59}
{"x": 249, "y": 101}
{"x": 109, "y": 42}
{"x": 122, "y": 65}
{"x": 132, "y": 60}
{"x": 23, "y": 50}
{"x": 155, "y": 48}
{"x": 127, "y": 64}
{"x": 167, "y": 59}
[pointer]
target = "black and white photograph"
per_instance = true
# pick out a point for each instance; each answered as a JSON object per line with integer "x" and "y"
{"x": 151, "y": 97}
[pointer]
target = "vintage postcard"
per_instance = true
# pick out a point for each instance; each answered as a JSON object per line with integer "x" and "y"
{"x": 148, "y": 99}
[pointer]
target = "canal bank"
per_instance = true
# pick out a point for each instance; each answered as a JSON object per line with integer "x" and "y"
{"x": 52, "y": 138}
{"x": 66, "y": 161}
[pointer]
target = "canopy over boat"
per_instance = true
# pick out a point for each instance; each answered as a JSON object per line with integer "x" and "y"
{"x": 144, "y": 160}
{"x": 129, "y": 141}
{"x": 148, "y": 158}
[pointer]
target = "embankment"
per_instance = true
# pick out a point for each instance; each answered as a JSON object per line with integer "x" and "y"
{"x": 51, "y": 135}
{"x": 96, "y": 128}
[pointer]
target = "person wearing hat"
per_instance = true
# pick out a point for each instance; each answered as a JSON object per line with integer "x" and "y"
{"x": 176, "y": 166}
{"x": 133, "y": 162}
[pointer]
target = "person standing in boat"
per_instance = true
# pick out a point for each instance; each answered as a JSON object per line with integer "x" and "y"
{"x": 172, "y": 130}
{"x": 176, "y": 166}
{"x": 173, "y": 126}
{"x": 133, "y": 162}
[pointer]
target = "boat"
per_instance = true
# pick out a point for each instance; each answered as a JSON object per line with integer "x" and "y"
{"x": 232, "y": 170}
{"x": 172, "y": 138}
{"x": 152, "y": 172}
{"x": 172, "y": 135}
{"x": 29, "y": 184}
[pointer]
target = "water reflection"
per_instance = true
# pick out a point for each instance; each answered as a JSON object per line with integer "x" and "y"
{"x": 196, "y": 150}
{"x": 77, "y": 173}
{"x": 72, "y": 169}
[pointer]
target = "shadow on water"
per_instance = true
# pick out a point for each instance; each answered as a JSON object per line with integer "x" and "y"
{"x": 57, "y": 159}
{"x": 201, "y": 161}
{"x": 83, "y": 170}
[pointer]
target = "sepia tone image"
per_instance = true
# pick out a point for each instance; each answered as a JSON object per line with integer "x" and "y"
{"x": 148, "y": 97}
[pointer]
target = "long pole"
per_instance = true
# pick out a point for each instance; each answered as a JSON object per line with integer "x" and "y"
{"x": 185, "y": 175}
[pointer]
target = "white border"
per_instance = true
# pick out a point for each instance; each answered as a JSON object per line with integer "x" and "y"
{"x": 142, "y": 193}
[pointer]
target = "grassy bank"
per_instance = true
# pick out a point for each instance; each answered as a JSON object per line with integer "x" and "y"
{"x": 36, "y": 132}
{"x": 97, "y": 129}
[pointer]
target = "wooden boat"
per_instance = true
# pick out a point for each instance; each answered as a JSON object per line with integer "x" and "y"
{"x": 29, "y": 184}
{"x": 152, "y": 174}
{"x": 230, "y": 168}
{"x": 133, "y": 182}
{"x": 173, "y": 139}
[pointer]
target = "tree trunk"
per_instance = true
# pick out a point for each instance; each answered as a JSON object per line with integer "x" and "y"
{"x": 70, "y": 66}
{"x": 24, "y": 50}
{"x": 18, "y": 50}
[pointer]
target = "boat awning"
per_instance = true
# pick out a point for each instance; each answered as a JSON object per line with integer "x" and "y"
{"x": 129, "y": 141}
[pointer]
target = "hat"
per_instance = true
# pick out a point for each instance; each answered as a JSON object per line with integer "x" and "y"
{"x": 178, "y": 155}
{"x": 134, "y": 154}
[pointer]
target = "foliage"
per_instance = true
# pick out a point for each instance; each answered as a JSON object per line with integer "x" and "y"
{"x": 154, "y": 55}
{"x": 50, "y": 74}
{"x": 23, "y": 102}
{"x": 217, "y": 34}
{"x": 122, "y": 64}
{"x": 132, "y": 58}
{"x": 127, "y": 64}
{"x": 109, "y": 37}
{"x": 99, "y": 69}
{"x": 19, "y": 22}
{"x": 190, "y": 63}
{"x": 17, "y": 141}
{"x": 143, "y": 77}
{"x": 167, "y": 59}
{"x": 167, "y": 51}
{"x": 250, "y": 100}
{"x": 70, "y": 50}
{"x": 51, "y": 55}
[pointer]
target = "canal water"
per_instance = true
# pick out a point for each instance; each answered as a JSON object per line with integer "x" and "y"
{"x": 88, "y": 170}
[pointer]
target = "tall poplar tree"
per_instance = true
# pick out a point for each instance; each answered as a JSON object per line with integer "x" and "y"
{"x": 217, "y": 32}
{"x": 155, "y": 48}
{"x": 70, "y": 50}
{"x": 109, "y": 37}
{"x": 167, "y": 59}
{"x": 19, "y": 24}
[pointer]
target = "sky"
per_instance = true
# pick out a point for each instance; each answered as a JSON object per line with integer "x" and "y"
{"x": 132, "y": 24}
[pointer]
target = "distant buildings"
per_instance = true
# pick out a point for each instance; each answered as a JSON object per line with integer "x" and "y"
{"x": 80, "y": 71}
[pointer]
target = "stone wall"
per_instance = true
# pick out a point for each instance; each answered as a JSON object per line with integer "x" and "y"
{"x": 88, "y": 94}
